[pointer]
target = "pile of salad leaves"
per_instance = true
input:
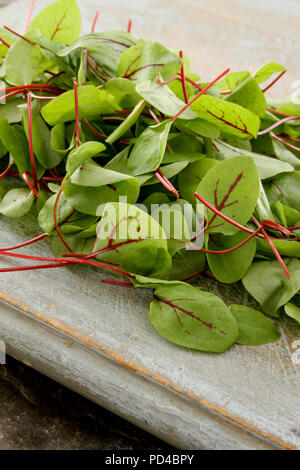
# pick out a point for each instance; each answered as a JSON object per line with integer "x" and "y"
{"x": 86, "y": 121}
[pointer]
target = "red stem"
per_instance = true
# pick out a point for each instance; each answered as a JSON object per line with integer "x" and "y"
{"x": 25, "y": 176}
{"x": 55, "y": 179}
{"x": 183, "y": 82}
{"x": 29, "y": 242}
{"x": 166, "y": 183}
{"x": 274, "y": 81}
{"x": 273, "y": 110}
{"x": 265, "y": 235}
{"x": 58, "y": 263}
{"x": 9, "y": 95}
{"x": 54, "y": 75}
{"x": 271, "y": 225}
{"x": 273, "y": 247}
{"x": 230, "y": 250}
{"x": 4, "y": 173}
{"x": 33, "y": 86}
{"x": 220, "y": 214}
{"x": 153, "y": 115}
{"x": 30, "y": 141}
{"x": 95, "y": 21}
{"x": 19, "y": 35}
{"x": 287, "y": 144}
{"x": 196, "y": 85}
{"x": 192, "y": 276}
{"x": 165, "y": 82}
{"x": 129, "y": 26}
{"x": 172, "y": 79}
{"x": 77, "y": 126}
{"x": 200, "y": 94}
{"x": 278, "y": 123}
{"x": 55, "y": 217}
{"x": 39, "y": 97}
{"x": 292, "y": 139}
{"x": 118, "y": 283}
{"x": 94, "y": 69}
{"x": 29, "y": 15}
{"x": 103, "y": 136}
{"x": 5, "y": 43}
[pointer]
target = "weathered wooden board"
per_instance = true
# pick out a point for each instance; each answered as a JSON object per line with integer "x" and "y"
{"x": 96, "y": 338}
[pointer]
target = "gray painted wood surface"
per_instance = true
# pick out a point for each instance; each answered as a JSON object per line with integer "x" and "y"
{"x": 97, "y": 339}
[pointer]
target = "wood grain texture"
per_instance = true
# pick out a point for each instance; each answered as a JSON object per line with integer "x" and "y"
{"x": 97, "y": 338}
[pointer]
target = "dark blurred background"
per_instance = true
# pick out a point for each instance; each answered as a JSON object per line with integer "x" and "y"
{"x": 37, "y": 413}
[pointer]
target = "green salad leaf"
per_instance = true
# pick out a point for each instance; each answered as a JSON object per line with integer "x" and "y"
{"x": 132, "y": 163}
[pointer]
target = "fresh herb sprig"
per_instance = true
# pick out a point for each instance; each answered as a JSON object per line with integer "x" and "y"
{"x": 86, "y": 121}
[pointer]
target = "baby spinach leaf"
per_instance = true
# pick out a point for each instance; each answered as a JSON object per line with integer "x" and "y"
{"x": 266, "y": 71}
{"x": 169, "y": 171}
{"x": 285, "y": 247}
{"x": 285, "y": 155}
{"x": 254, "y": 328}
{"x": 232, "y": 187}
{"x": 92, "y": 103}
{"x": 9, "y": 39}
{"x": 127, "y": 123}
{"x": 145, "y": 60}
{"x": 81, "y": 154}
{"x": 41, "y": 137}
{"x": 175, "y": 226}
{"x": 81, "y": 246}
{"x": 267, "y": 283}
{"x": 200, "y": 127}
{"x": 288, "y": 217}
{"x": 286, "y": 105}
{"x": 16, "y": 203}
{"x": 4, "y": 188}
{"x": 58, "y": 140}
{"x": 87, "y": 199}
{"x": 190, "y": 177}
{"x": 149, "y": 149}
{"x": 78, "y": 224}
{"x": 230, "y": 267}
{"x": 263, "y": 209}
{"x": 151, "y": 282}
{"x": 11, "y": 111}
{"x": 46, "y": 215}
{"x": 41, "y": 200}
{"x": 14, "y": 140}
{"x": 60, "y": 21}
{"x": 91, "y": 174}
{"x": 249, "y": 95}
{"x": 229, "y": 117}
{"x": 155, "y": 198}
{"x": 163, "y": 99}
{"x": 176, "y": 87}
{"x": 104, "y": 49}
{"x": 124, "y": 90}
{"x": 34, "y": 64}
{"x": 3, "y": 150}
{"x": 213, "y": 147}
{"x": 293, "y": 311}
{"x": 131, "y": 237}
{"x": 234, "y": 79}
{"x": 185, "y": 263}
{"x": 193, "y": 318}
{"x": 285, "y": 189}
{"x": 266, "y": 166}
